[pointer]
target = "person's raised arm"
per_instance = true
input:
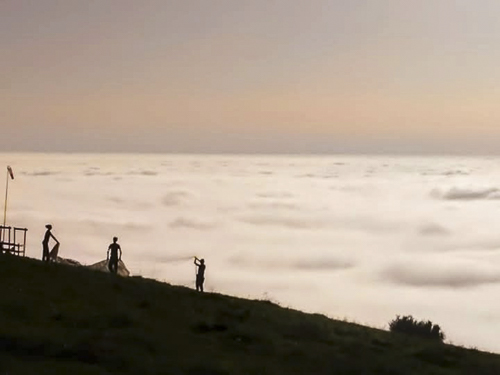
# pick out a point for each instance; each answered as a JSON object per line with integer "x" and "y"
{"x": 196, "y": 261}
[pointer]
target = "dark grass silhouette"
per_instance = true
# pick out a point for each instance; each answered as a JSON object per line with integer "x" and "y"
{"x": 410, "y": 326}
{"x": 59, "y": 319}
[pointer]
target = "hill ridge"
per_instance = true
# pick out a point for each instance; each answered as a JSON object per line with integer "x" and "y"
{"x": 60, "y": 319}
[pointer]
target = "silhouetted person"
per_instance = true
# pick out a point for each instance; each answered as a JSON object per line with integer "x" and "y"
{"x": 113, "y": 256}
{"x": 200, "y": 274}
{"x": 45, "y": 243}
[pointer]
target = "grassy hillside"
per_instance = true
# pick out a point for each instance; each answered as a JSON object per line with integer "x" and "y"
{"x": 57, "y": 319}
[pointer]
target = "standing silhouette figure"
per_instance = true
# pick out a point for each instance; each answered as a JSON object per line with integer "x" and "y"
{"x": 113, "y": 257}
{"x": 45, "y": 243}
{"x": 200, "y": 274}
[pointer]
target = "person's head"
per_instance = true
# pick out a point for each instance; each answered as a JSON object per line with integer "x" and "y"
{"x": 115, "y": 239}
{"x": 202, "y": 261}
{"x": 48, "y": 226}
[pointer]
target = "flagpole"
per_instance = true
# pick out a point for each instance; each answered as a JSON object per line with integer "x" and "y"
{"x": 6, "y": 195}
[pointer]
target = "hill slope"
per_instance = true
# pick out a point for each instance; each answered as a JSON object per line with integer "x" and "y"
{"x": 58, "y": 319}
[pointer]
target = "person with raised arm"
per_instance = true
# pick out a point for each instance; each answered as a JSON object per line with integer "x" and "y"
{"x": 200, "y": 273}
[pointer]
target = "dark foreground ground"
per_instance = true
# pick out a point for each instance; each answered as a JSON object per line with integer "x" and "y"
{"x": 57, "y": 319}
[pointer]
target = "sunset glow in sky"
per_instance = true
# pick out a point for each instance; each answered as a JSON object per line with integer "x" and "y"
{"x": 284, "y": 76}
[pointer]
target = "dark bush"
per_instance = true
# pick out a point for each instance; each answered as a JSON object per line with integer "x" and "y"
{"x": 410, "y": 326}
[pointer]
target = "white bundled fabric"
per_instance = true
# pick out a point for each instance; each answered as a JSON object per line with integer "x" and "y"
{"x": 68, "y": 262}
{"x": 103, "y": 266}
{"x": 99, "y": 266}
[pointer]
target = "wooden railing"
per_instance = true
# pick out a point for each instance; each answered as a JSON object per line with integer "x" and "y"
{"x": 13, "y": 240}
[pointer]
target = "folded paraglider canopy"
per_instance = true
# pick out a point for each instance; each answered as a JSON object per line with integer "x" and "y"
{"x": 99, "y": 266}
{"x": 103, "y": 266}
{"x": 68, "y": 262}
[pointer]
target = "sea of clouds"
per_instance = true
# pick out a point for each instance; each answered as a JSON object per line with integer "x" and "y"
{"x": 362, "y": 238}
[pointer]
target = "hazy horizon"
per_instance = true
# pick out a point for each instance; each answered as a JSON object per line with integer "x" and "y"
{"x": 259, "y": 154}
{"x": 281, "y": 76}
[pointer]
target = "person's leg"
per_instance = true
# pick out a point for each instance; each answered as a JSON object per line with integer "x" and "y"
{"x": 201, "y": 285}
{"x": 45, "y": 253}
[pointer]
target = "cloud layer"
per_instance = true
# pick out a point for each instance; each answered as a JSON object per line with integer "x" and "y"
{"x": 441, "y": 273}
{"x": 459, "y": 193}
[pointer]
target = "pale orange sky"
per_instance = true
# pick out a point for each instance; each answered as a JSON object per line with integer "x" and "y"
{"x": 250, "y": 76}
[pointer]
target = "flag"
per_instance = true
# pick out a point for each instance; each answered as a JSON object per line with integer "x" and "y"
{"x": 10, "y": 172}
